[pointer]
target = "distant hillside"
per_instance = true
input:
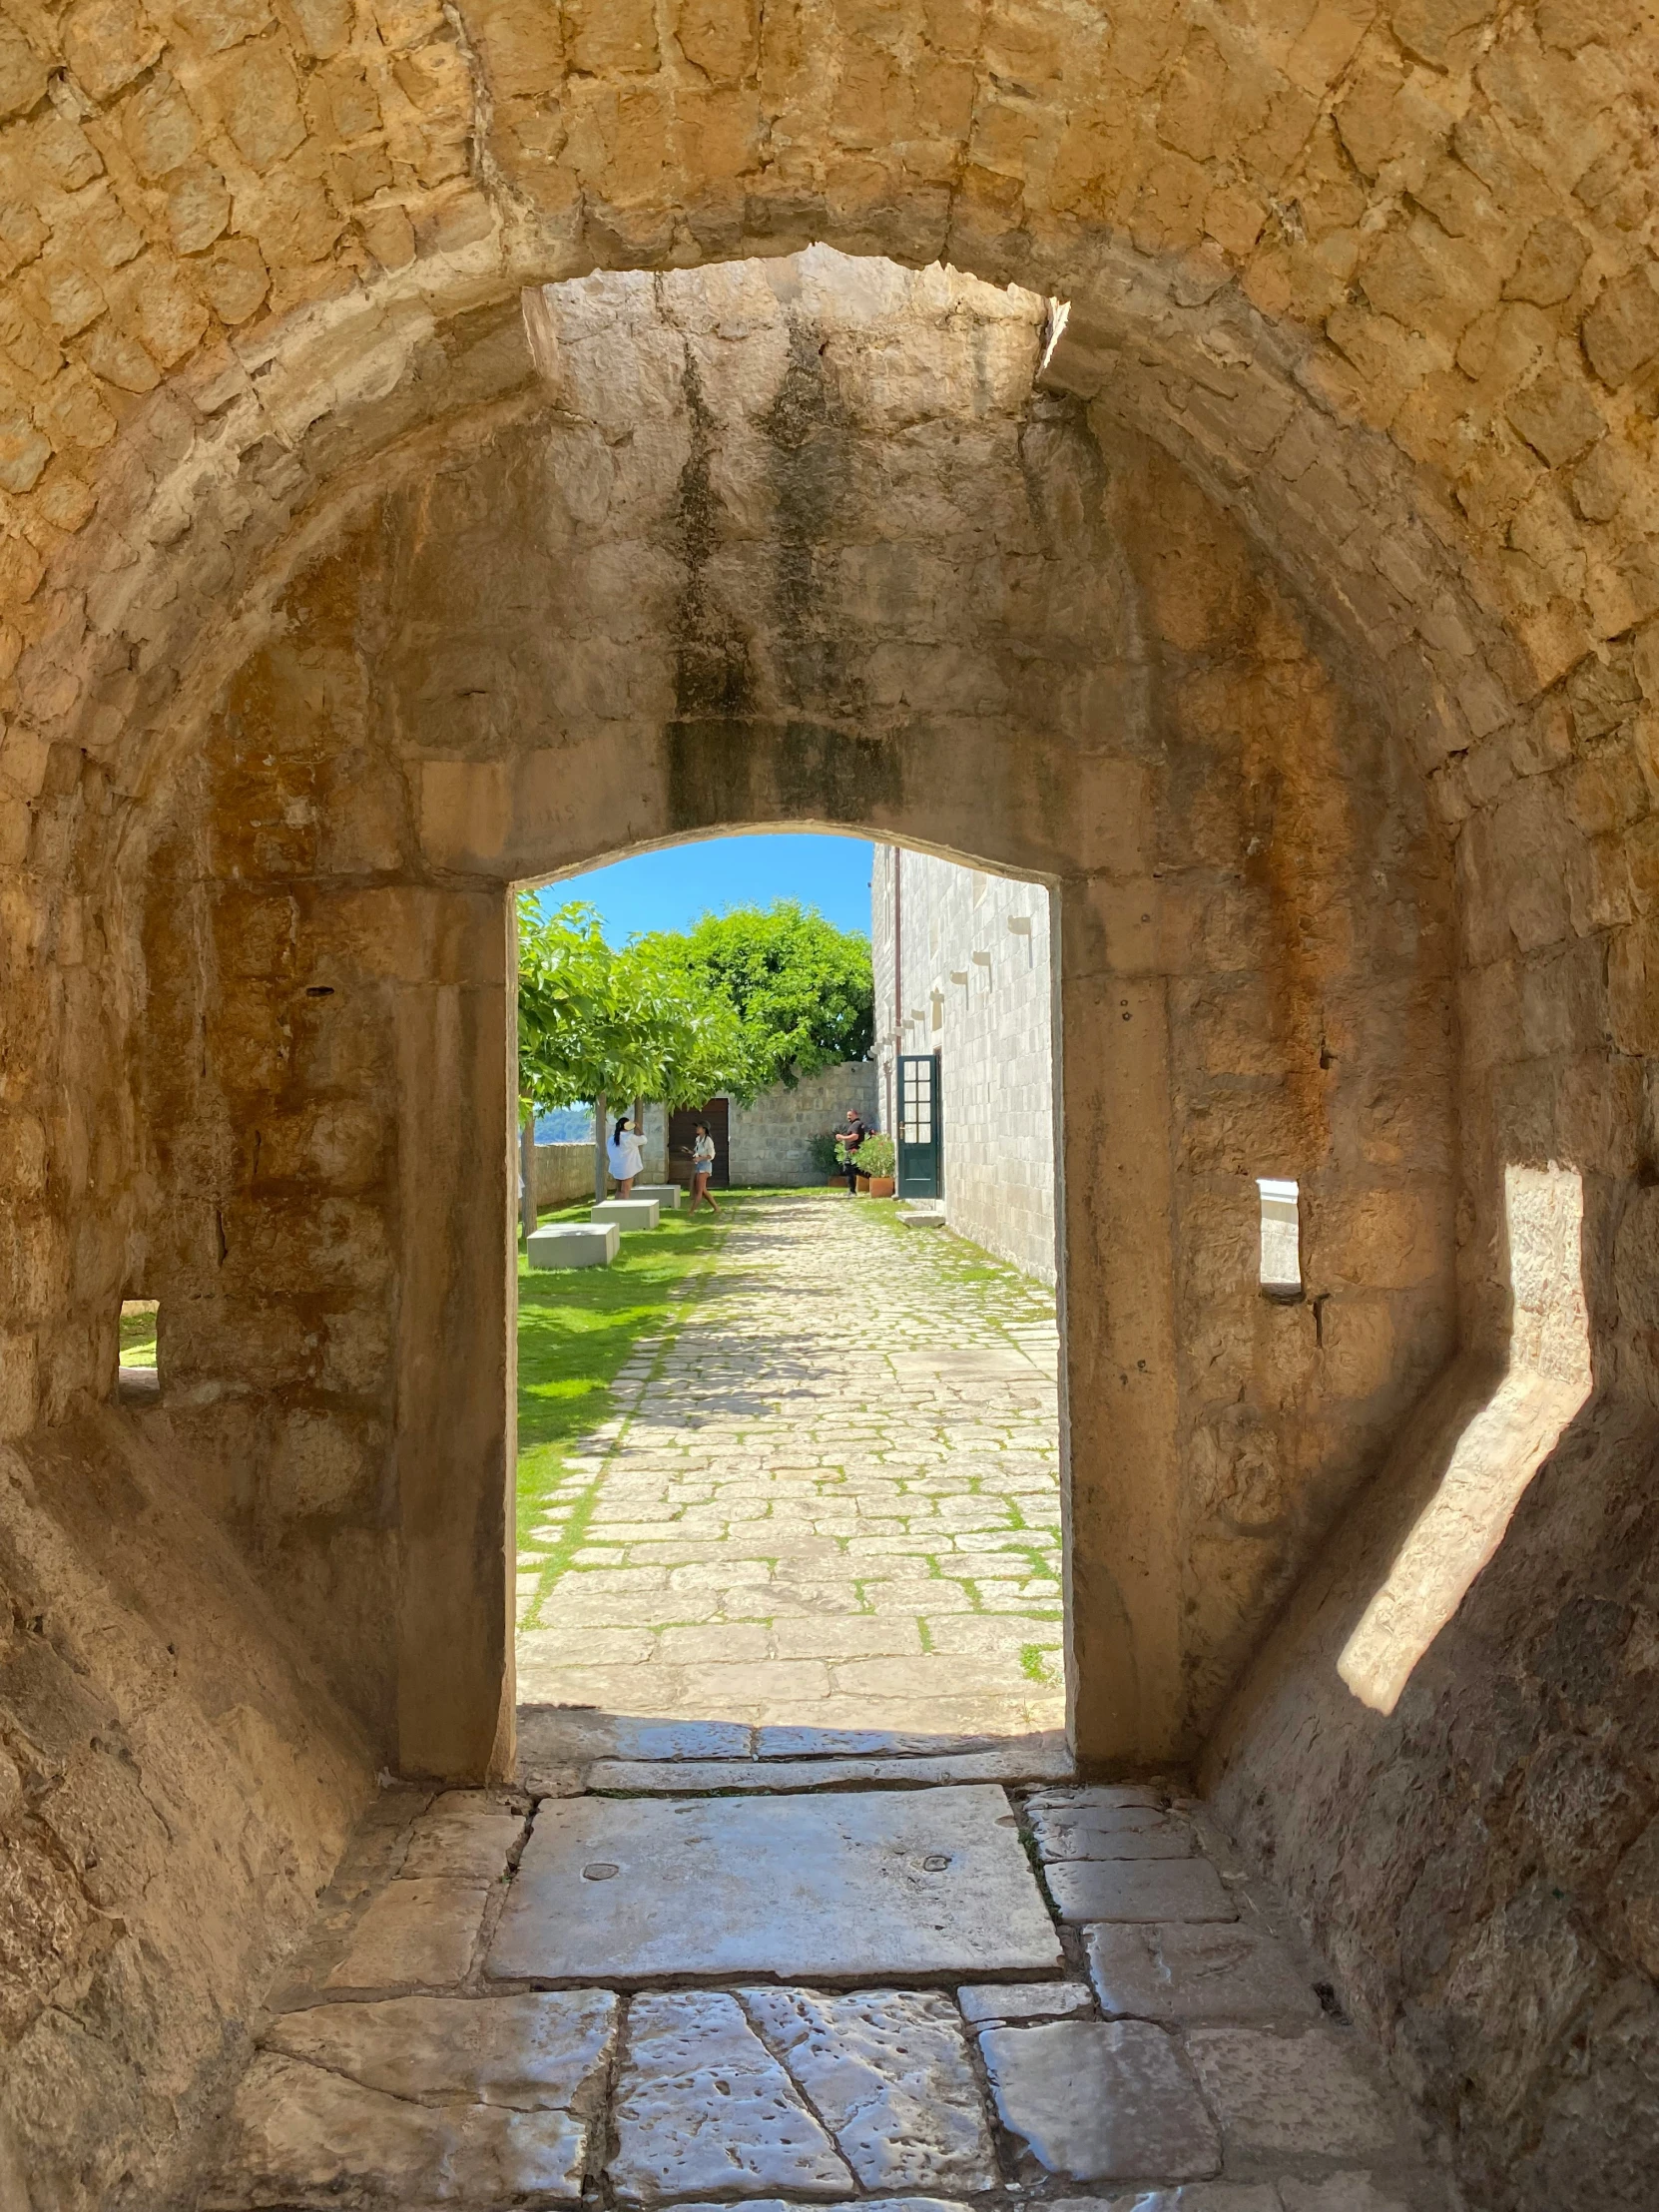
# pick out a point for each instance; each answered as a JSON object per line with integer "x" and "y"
{"x": 565, "y": 1125}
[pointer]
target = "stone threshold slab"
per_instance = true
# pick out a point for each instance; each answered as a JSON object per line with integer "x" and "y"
{"x": 690, "y": 1777}
{"x": 880, "y": 1885}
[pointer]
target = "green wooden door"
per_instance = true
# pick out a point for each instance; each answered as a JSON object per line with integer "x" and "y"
{"x": 919, "y": 1162}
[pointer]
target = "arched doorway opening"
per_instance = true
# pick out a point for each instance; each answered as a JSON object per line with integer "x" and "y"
{"x": 789, "y": 1476}
{"x": 931, "y": 605}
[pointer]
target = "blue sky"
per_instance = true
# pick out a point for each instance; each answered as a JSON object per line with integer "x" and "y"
{"x": 670, "y": 890}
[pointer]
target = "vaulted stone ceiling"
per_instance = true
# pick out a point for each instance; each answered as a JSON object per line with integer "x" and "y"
{"x": 247, "y": 244}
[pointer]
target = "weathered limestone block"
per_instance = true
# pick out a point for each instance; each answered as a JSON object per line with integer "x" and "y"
{"x": 1101, "y": 2102}
{"x": 546, "y": 2051}
{"x": 420, "y": 2102}
{"x": 699, "y": 2101}
{"x": 465, "y": 1836}
{"x": 421, "y": 1933}
{"x": 1182, "y": 1971}
{"x": 1291, "y": 2094}
{"x": 888, "y": 2073}
{"x": 1138, "y": 1889}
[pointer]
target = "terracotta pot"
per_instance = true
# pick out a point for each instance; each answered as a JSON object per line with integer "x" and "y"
{"x": 881, "y": 1186}
{"x": 863, "y": 1186}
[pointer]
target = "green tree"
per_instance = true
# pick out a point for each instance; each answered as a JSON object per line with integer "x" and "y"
{"x": 802, "y": 989}
{"x": 593, "y": 1025}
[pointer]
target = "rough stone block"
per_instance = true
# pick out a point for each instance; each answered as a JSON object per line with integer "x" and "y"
{"x": 994, "y": 2003}
{"x": 888, "y": 2071}
{"x": 1111, "y": 1832}
{"x": 463, "y": 1837}
{"x": 700, "y": 2105}
{"x": 473, "y": 2101}
{"x": 547, "y": 2049}
{"x": 1300, "y": 2095}
{"x": 628, "y": 1213}
{"x": 574, "y": 1245}
{"x": 415, "y": 1934}
{"x": 1194, "y": 1971}
{"x": 1101, "y": 2102}
{"x": 1138, "y": 1889}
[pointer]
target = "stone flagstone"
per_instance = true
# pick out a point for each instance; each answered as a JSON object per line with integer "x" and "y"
{"x": 702, "y": 2107}
{"x": 887, "y": 2070}
{"x": 1296, "y": 2094}
{"x": 415, "y": 1934}
{"x": 1194, "y": 1970}
{"x": 549, "y": 2048}
{"x": 472, "y": 2102}
{"x": 848, "y": 1885}
{"x": 1022, "y": 2000}
{"x": 1101, "y": 2100}
{"x": 1138, "y": 1889}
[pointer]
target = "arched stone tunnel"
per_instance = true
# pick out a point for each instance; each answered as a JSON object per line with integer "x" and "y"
{"x": 1287, "y": 605}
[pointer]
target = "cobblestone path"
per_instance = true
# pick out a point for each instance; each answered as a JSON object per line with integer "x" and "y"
{"x": 827, "y": 1496}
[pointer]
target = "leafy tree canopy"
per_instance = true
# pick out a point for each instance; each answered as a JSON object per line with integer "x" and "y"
{"x": 802, "y": 989}
{"x": 627, "y": 1024}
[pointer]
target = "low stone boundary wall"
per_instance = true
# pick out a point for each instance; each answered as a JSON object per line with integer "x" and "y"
{"x": 564, "y": 1174}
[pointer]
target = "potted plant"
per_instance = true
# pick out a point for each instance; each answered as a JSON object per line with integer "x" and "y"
{"x": 876, "y": 1161}
{"x": 828, "y": 1160}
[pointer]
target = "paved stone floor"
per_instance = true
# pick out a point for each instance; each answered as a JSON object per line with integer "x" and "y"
{"x": 797, "y": 1902}
{"x": 827, "y": 1495}
{"x": 1112, "y": 2013}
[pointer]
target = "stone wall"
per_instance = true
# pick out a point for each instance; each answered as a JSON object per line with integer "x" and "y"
{"x": 1378, "y": 285}
{"x": 963, "y": 968}
{"x": 175, "y": 1789}
{"x": 1137, "y": 710}
{"x": 771, "y": 1140}
{"x": 564, "y": 1174}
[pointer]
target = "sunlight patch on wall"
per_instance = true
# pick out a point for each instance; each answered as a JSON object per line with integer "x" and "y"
{"x": 1500, "y": 1450}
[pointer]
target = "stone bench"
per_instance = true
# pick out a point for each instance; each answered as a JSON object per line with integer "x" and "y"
{"x": 572, "y": 1244}
{"x": 667, "y": 1195}
{"x": 628, "y": 1213}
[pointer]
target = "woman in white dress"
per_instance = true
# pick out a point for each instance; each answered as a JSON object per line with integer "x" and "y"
{"x": 703, "y": 1166}
{"x": 626, "y": 1154}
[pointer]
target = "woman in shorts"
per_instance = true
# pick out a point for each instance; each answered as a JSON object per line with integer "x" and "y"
{"x": 703, "y": 1166}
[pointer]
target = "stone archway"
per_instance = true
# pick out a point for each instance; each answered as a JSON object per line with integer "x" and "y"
{"x": 730, "y": 576}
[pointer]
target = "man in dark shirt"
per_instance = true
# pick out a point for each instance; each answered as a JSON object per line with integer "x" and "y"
{"x": 850, "y": 1137}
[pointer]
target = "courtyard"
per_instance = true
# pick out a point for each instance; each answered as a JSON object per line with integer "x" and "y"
{"x": 825, "y": 1495}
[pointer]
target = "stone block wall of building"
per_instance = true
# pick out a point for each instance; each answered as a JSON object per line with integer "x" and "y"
{"x": 962, "y": 968}
{"x": 771, "y": 1142}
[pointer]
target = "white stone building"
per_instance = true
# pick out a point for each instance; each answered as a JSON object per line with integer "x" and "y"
{"x": 963, "y": 970}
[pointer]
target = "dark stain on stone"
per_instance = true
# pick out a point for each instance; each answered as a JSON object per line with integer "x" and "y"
{"x": 711, "y": 776}
{"x": 712, "y": 673}
{"x": 809, "y": 447}
{"x": 835, "y": 775}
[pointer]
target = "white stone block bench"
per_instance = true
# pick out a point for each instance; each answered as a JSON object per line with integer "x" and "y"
{"x": 628, "y": 1213}
{"x": 574, "y": 1244}
{"x": 667, "y": 1195}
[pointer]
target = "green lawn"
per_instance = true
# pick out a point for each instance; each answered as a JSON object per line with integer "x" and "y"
{"x": 138, "y": 1333}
